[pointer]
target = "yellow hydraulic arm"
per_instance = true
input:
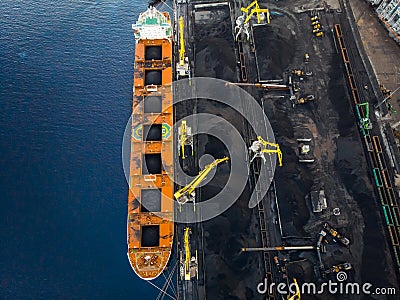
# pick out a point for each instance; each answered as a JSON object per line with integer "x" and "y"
{"x": 297, "y": 295}
{"x": 187, "y": 193}
{"x": 277, "y": 149}
{"x": 256, "y": 10}
{"x": 181, "y": 42}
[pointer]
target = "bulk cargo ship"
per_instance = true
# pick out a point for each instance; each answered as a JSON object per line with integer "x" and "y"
{"x": 150, "y": 202}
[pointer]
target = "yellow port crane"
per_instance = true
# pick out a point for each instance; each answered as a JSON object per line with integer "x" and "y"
{"x": 188, "y": 265}
{"x": 187, "y": 193}
{"x": 182, "y": 67}
{"x": 185, "y": 138}
{"x": 255, "y": 10}
{"x": 261, "y": 146}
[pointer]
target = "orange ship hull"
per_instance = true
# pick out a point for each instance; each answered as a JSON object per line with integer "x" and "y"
{"x": 150, "y": 224}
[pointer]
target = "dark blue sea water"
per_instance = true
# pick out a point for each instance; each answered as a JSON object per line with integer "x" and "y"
{"x": 66, "y": 70}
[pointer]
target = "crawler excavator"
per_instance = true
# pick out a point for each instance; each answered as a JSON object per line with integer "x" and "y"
{"x": 303, "y": 100}
{"x": 338, "y": 268}
{"x": 334, "y": 233}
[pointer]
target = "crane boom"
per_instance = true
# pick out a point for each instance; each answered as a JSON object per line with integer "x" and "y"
{"x": 182, "y": 65}
{"x": 187, "y": 253}
{"x": 187, "y": 192}
{"x": 181, "y": 42}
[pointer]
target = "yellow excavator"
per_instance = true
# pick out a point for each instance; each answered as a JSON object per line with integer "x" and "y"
{"x": 261, "y": 146}
{"x": 255, "y": 9}
{"x": 297, "y": 295}
{"x": 187, "y": 193}
{"x": 185, "y": 138}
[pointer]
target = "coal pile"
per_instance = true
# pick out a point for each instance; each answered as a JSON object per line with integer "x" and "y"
{"x": 275, "y": 49}
{"x": 214, "y": 54}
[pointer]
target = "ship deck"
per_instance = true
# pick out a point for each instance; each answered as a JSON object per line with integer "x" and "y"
{"x": 150, "y": 201}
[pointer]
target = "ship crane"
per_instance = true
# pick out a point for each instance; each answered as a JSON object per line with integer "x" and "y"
{"x": 187, "y": 251}
{"x": 185, "y": 138}
{"x": 260, "y": 147}
{"x": 190, "y": 268}
{"x": 187, "y": 193}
